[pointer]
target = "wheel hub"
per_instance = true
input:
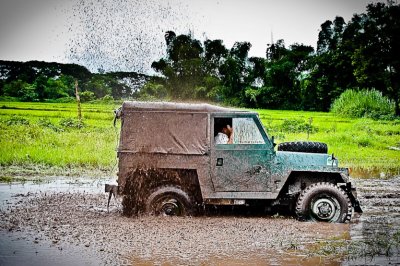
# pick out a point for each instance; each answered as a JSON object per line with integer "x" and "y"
{"x": 324, "y": 209}
{"x": 170, "y": 208}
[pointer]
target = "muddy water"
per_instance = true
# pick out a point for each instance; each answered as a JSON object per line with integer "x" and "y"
{"x": 26, "y": 247}
{"x": 376, "y": 233}
{"x": 66, "y": 221}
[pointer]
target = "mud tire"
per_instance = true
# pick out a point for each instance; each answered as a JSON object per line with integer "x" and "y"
{"x": 303, "y": 146}
{"x": 324, "y": 202}
{"x": 169, "y": 201}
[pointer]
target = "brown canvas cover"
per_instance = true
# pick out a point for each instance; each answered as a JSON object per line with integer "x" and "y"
{"x": 165, "y": 127}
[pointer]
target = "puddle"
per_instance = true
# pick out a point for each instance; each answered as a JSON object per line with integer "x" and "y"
{"x": 377, "y": 230}
{"x": 22, "y": 248}
{"x": 69, "y": 217}
{"x": 206, "y": 247}
{"x": 18, "y": 250}
{"x": 11, "y": 192}
{"x": 242, "y": 259}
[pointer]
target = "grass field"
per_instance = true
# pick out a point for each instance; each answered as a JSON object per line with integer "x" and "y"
{"x": 36, "y": 137}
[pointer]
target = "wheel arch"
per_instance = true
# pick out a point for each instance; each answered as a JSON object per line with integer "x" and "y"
{"x": 299, "y": 180}
{"x": 142, "y": 182}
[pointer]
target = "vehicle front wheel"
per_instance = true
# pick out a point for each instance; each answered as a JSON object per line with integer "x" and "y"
{"x": 169, "y": 201}
{"x": 324, "y": 202}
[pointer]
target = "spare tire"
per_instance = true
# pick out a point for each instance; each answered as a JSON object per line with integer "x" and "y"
{"x": 304, "y": 146}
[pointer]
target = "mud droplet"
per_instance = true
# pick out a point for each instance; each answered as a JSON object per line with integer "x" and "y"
{"x": 123, "y": 35}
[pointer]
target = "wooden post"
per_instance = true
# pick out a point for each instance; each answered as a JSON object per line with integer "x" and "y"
{"x": 78, "y": 100}
{"x": 310, "y": 120}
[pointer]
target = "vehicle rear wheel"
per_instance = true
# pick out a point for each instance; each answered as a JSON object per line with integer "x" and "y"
{"x": 169, "y": 201}
{"x": 324, "y": 202}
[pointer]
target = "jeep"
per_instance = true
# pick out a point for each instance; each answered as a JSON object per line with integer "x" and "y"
{"x": 169, "y": 164}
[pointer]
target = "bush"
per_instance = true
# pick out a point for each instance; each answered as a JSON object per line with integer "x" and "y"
{"x": 16, "y": 121}
{"x": 297, "y": 126}
{"x": 153, "y": 91}
{"x": 87, "y": 96}
{"x": 8, "y": 99}
{"x": 364, "y": 103}
{"x": 71, "y": 123}
{"x": 45, "y": 122}
{"x": 107, "y": 99}
{"x": 68, "y": 99}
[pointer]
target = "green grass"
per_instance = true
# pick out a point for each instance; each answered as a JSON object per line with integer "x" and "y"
{"x": 36, "y": 136}
{"x": 47, "y": 142}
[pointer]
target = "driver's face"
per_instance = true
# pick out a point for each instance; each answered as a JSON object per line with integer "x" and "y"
{"x": 227, "y": 130}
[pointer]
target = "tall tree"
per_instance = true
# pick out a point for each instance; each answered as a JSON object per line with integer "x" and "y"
{"x": 376, "y": 58}
{"x": 182, "y": 67}
{"x": 234, "y": 72}
{"x": 214, "y": 56}
{"x": 332, "y": 70}
{"x": 286, "y": 68}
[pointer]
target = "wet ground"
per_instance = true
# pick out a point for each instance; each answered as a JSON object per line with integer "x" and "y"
{"x": 66, "y": 222}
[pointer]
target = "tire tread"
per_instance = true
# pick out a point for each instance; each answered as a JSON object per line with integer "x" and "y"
{"x": 303, "y": 146}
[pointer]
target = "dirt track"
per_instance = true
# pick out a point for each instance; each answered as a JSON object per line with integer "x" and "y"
{"x": 57, "y": 223}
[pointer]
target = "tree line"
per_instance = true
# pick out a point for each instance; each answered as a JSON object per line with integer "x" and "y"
{"x": 43, "y": 81}
{"x": 360, "y": 54}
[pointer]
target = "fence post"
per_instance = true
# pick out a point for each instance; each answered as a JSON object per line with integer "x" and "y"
{"x": 78, "y": 100}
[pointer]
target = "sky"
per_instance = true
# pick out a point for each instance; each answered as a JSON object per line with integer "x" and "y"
{"x": 127, "y": 35}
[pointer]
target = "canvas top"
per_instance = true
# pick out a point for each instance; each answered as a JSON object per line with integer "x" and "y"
{"x": 173, "y": 106}
{"x": 168, "y": 127}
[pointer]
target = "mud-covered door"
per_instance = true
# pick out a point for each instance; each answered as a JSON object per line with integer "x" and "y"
{"x": 242, "y": 164}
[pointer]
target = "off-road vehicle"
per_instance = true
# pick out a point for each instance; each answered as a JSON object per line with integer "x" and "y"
{"x": 170, "y": 165}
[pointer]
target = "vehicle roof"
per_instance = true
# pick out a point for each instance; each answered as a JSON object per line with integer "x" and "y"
{"x": 174, "y": 106}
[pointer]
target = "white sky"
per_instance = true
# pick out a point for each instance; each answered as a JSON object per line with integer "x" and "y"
{"x": 127, "y": 35}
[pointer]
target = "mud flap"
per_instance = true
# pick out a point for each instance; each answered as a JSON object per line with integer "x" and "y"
{"x": 353, "y": 197}
{"x": 352, "y": 194}
{"x": 113, "y": 190}
{"x": 356, "y": 206}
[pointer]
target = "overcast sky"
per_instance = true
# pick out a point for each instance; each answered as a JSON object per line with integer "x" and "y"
{"x": 127, "y": 35}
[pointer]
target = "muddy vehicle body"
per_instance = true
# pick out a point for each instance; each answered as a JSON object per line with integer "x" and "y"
{"x": 170, "y": 165}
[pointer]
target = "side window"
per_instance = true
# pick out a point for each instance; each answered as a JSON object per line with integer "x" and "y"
{"x": 246, "y": 131}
